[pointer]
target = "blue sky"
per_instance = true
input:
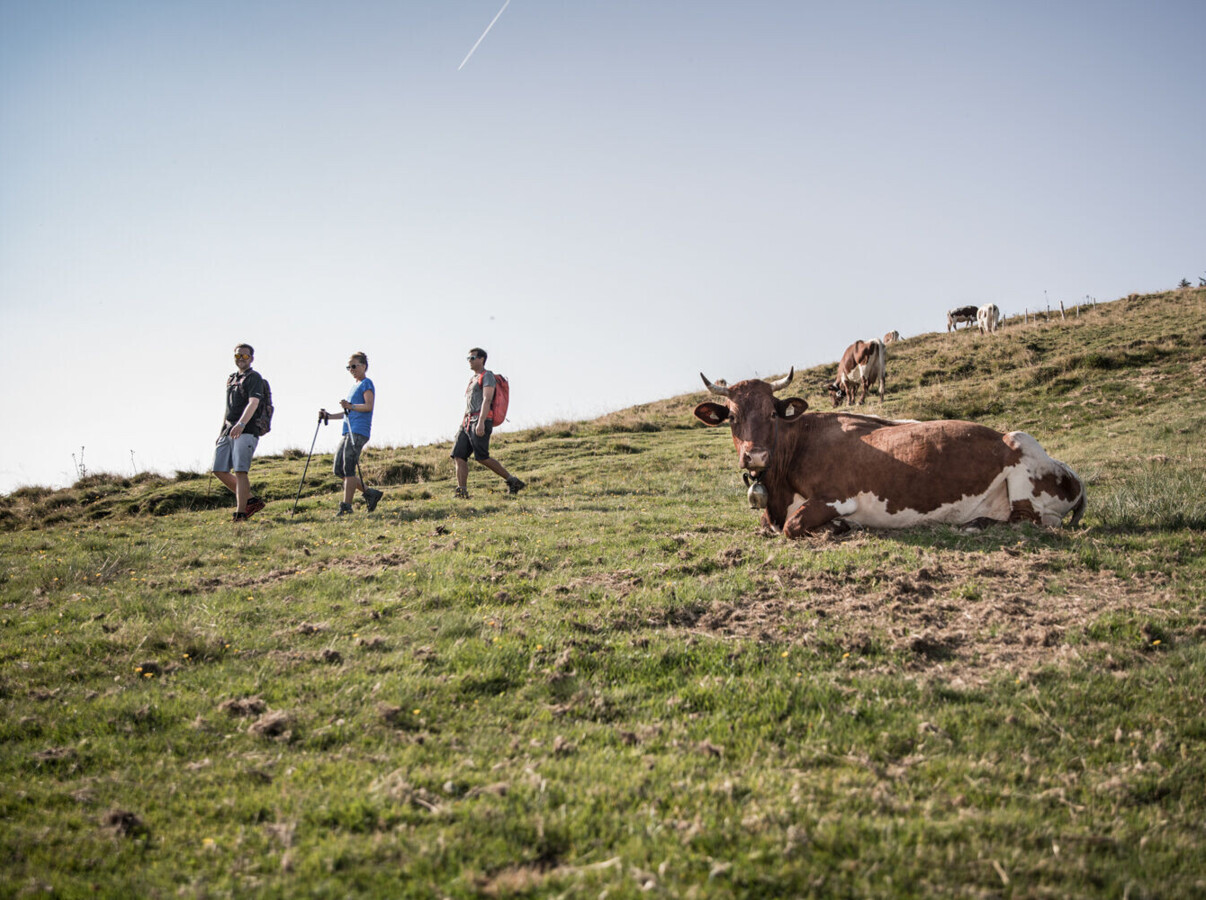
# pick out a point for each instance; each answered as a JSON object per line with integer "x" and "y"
{"x": 608, "y": 196}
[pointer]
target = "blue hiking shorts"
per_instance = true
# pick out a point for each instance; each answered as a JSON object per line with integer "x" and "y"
{"x": 234, "y": 456}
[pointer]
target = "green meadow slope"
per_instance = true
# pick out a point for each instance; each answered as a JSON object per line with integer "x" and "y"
{"x": 617, "y": 684}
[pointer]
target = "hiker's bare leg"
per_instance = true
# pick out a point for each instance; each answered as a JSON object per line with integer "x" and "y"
{"x": 496, "y": 467}
{"x": 239, "y": 485}
{"x": 229, "y": 480}
{"x": 242, "y": 491}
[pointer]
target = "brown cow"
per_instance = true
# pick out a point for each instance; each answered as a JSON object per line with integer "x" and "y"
{"x": 811, "y": 470}
{"x": 863, "y": 362}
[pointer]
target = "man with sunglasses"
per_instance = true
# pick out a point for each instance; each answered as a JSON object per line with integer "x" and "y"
{"x": 358, "y": 409}
{"x": 474, "y": 433}
{"x": 240, "y": 433}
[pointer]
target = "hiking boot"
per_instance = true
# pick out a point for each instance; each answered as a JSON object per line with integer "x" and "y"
{"x": 345, "y": 509}
{"x": 372, "y": 497}
{"x": 461, "y": 493}
{"x": 239, "y": 517}
{"x": 514, "y": 485}
{"x": 254, "y": 505}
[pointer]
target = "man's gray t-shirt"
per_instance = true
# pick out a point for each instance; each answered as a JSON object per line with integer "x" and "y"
{"x": 474, "y": 393}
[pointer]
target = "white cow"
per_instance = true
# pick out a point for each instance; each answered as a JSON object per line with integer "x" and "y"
{"x": 988, "y": 317}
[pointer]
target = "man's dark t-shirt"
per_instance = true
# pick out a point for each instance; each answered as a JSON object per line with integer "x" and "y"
{"x": 240, "y": 388}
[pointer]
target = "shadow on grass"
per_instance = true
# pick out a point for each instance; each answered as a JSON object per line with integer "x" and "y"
{"x": 992, "y": 537}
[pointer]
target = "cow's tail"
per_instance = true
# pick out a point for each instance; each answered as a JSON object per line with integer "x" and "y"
{"x": 1078, "y": 510}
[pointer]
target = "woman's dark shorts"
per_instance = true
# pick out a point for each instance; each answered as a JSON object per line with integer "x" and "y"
{"x": 468, "y": 440}
{"x": 348, "y": 455}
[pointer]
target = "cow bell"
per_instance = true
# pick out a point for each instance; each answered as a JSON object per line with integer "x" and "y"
{"x": 757, "y": 494}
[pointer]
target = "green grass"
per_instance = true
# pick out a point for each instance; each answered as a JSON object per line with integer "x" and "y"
{"x": 616, "y": 682}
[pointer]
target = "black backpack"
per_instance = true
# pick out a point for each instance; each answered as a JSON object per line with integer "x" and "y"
{"x": 261, "y": 420}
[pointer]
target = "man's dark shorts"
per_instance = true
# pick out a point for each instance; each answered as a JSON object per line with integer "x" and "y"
{"x": 468, "y": 440}
{"x": 348, "y": 454}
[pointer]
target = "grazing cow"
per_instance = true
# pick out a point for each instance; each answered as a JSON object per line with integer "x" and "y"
{"x": 988, "y": 317}
{"x": 837, "y": 468}
{"x": 863, "y": 362}
{"x": 965, "y": 314}
{"x": 892, "y": 337}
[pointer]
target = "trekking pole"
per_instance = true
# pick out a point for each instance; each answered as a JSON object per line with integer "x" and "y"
{"x": 358, "y": 472}
{"x": 322, "y": 420}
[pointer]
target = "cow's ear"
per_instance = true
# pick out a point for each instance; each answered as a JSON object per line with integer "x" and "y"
{"x": 711, "y": 413}
{"x": 790, "y": 408}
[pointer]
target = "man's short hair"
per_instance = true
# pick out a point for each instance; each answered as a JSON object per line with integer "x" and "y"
{"x": 250, "y": 349}
{"x": 478, "y": 351}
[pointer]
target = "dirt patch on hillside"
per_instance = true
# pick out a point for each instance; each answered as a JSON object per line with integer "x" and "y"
{"x": 962, "y": 617}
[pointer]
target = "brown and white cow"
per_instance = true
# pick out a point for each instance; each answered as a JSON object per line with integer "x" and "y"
{"x": 965, "y": 314}
{"x": 863, "y": 363}
{"x": 892, "y": 337}
{"x": 808, "y": 471}
{"x": 988, "y": 317}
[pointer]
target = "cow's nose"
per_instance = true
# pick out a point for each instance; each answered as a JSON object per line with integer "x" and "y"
{"x": 753, "y": 460}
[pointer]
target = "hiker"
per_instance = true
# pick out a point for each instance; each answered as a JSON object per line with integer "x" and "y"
{"x": 241, "y": 430}
{"x": 474, "y": 433}
{"x": 358, "y": 412}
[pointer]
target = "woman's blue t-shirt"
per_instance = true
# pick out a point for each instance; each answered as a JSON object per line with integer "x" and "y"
{"x": 360, "y": 422}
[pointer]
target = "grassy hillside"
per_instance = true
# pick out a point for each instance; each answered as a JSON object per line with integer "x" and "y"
{"x": 616, "y": 683}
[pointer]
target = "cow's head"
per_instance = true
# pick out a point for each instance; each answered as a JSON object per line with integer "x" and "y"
{"x": 753, "y": 412}
{"x": 837, "y": 391}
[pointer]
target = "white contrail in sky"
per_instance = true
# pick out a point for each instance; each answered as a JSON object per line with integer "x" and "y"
{"x": 483, "y": 37}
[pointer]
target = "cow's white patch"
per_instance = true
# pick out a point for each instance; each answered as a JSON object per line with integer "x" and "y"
{"x": 871, "y": 511}
{"x": 844, "y": 507}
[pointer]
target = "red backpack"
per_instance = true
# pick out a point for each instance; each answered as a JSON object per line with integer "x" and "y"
{"x": 502, "y": 399}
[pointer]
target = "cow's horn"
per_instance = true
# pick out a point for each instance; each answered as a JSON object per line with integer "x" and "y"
{"x": 715, "y": 389}
{"x": 783, "y": 382}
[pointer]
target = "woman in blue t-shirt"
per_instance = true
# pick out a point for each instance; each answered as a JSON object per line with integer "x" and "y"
{"x": 358, "y": 412}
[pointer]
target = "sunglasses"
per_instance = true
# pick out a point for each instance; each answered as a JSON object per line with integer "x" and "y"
{"x": 354, "y": 366}
{"x": 242, "y": 356}
{"x": 472, "y": 358}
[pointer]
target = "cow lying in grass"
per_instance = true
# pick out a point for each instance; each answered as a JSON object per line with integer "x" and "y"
{"x": 841, "y": 468}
